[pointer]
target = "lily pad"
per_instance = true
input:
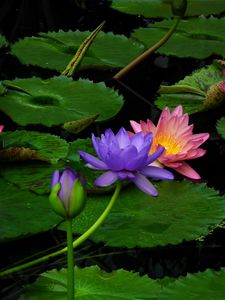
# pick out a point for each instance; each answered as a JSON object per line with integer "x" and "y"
{"x": 56, "y": 49}
{"x": 32, "y": 145}
{"x": 183, "y": 211}
{"x": 191, "y": 92}
{"x": 93, "y": 283}
{"x": 198, "y": 37}
{"x": 221, "y": 127}
{"x": 23, "y": 213}
{"x": 206, "y": 285}
{"x": 58, "y": 100}
{"x": 161, "y": 8}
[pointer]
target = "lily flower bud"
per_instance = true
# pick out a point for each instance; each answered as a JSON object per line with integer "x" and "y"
{"x": 179, "y": 7}
{"x": 67, "y": 197}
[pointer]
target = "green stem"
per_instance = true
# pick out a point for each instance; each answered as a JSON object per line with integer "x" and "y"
{"x": 76, "y": 243}
{"x": 144, "y": 55}
{"x": 70, "y": 261}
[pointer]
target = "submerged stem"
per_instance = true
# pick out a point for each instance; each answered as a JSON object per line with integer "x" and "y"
{"x": 70, "y": 261}
{"x": 151, "y": 50}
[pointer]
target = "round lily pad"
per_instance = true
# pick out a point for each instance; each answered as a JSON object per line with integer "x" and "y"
{"x": 183, "y": 211}
{"x": 92, "y": 283}
{"x": 56, "y": 49}
{"x": 58, "y": 100}
{"x": 206, "y": 285}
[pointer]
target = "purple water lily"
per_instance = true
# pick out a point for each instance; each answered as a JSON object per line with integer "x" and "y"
{"x": 126, "y": 158}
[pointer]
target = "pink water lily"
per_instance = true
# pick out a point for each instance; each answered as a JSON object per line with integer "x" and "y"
{"x": 1, "y": 128}
{"x": 174, "y": 133}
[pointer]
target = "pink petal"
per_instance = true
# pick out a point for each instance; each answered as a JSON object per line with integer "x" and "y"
{"x": 178, "y": 111}
{"x": 187, "y": 171}
{"x": 136, "y": 127}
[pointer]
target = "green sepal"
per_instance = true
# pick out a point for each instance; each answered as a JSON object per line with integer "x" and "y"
{"x": 55, "y": 201}
{"x": 77, "y": 199}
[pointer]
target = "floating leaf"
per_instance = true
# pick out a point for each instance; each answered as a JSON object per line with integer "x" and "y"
{"x": 197, "y": 37}
{"x": 54, "y": 50}
{"x": 183, "y": 211}
{"x": 198, "y": 82}
{"x": 23, "y": 213}
{"x": 207, "y": 285}
{"x": 58, "y": 100}
{"x": 32, "y": 145}
{"x": 93, "y": 283}
{"x": 161, "y": 8}
{"x": 221, "y": 127}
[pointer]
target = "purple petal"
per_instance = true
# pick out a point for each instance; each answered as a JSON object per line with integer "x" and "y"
{"x": 137, "y": 140}
{"x": 106, "y": 179}
{"x": 145, "y": 185}
{"x": 123, "y": 138}
{"x": 55, "y": 178}
{"x": 108, "y": 137}
{"x": 115, "y": 161}
{"x": 136, "y": 161}
{"x": 66, "y": 181}
{"x": 92, "y": 160}
{"x": 124, "y": 175}
{"x": 155, "y": 155}
{"x": 95, "y": 143}
{"x": 157, "y": 173}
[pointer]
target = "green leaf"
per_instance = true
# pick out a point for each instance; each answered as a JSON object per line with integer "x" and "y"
{"x": 207, "y": 285}
{"x": 54, "y": 50}
{"x": 161, "y": 8}
{"x": 221, "y": 127}
{"x": 200, "y": 80}
{"x": 3, "y": 42}
{"x": 183, "y": 211}
{"x": 93, "y": 284}
{"x": 197, "y": 37}
{"x": 23, "y": 213}
{"x": 40, "y": 146}
{"x": 58, "y": 100}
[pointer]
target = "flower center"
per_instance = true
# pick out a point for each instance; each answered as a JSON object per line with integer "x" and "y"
{"x": 170, "y": 143}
